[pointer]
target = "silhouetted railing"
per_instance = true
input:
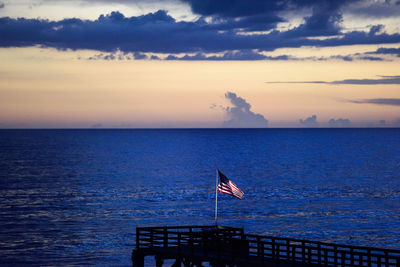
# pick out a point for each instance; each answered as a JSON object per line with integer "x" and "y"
{"x": 320, "y": 253}
{"x": 229, "y": 243}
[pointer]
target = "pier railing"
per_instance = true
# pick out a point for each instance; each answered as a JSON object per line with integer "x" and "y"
{"x": 232, "y": 244}
{"x": 320, "y": 253}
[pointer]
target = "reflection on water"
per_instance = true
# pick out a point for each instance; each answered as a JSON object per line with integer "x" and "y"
{"x": 75, "y": 197}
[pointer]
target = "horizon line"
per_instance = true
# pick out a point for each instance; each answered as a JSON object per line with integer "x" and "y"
{"x": 200, "y": 128}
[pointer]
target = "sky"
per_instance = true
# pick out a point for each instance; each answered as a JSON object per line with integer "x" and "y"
{"x": 199, "y": 63}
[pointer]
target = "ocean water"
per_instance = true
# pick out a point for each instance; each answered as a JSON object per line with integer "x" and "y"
{"x": 75, "y": 197}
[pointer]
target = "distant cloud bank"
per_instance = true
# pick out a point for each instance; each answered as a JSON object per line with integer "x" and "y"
{"x": 378, "y": 101}
{"x": 310, "y": 121}
{"x": 339, "y": 123}
{"x": 381, "y": 80}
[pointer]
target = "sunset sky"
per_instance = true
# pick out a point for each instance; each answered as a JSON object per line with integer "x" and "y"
{"x": 199, "y": 63}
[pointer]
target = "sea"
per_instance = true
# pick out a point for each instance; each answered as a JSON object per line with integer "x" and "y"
{"x": 74, "y": 197}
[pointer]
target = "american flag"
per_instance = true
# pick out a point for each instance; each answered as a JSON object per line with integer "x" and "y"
{"x": 226, "y": 186}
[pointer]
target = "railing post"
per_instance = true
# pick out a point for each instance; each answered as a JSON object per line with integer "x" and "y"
{"x": 386, "y": 258}
{"x": 191, "y": 240}
{"x": 343, "y": 257}
{"x": 165, "y": 234}
{"x": 205, "y": 242}
{"x": 273, "y": 248}
{"x": 319, "y": 254}
{"x": 137, "y": 238}
{"x": 262, "y": 252}
{"x": 293, "y": 255}
{"x": 351, "y": 257}
{"x": 369, "y": 257}
{"x": 278, "y": 258}
{"x": 335, "y": 255}
{"x": 179, "y": 241}
{"x": 151, "y": 238}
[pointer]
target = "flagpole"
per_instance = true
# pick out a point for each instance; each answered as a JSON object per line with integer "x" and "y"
{"x": 216, "y": 198}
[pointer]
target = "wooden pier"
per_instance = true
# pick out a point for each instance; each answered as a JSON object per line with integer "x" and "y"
{"x": 229, "y": 246}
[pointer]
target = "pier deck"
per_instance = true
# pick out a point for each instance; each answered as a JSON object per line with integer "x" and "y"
{"x": 229, "y": 246}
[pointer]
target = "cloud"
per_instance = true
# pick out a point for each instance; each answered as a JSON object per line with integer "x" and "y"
{"x": 240, "y": 114}
{"x": 249, "y": 8}
{"x": 387, "y": 51}
{"x": 376, "y": 9}
{"x": 119, "y": 55}
{"x": 97, "y": 125}
{"x": 371, "y": 58}
{"x": 378, "y": 101}
{"x": 158, "y": 32}
{"x": 310, "y": 121}
{"x": 339, "y": 123}
{"x": 139, "y": 56}
{"x": 238, "y": 55}
{"x": 2, "y": 5}
{"x": 230, "y": 55}
{"x": 324, "y": 21}
{"x": 381, "y": 80}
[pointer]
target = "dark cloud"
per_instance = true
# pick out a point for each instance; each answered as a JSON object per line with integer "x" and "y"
{"x": 371, "y": 58}
{"x": 345, "y": 58}
{"x": 230, "y": 55}
{"x": 246, "y": 8}
{"x": 387, "y": 51}
{"x": 2, "y": 5}
{"x": 236, "y": 8}
{"x": 108, "y": 56}
{"x": 247, "y": 24}
{"x": 324, "y": 21}
{"x": 378, "y": 101}
{"x": 339, "y": 123}
{"x": 382, "y": 80}
{"x": 160, "y": 33}
{"x": 240, "y": 114}
{"x": 244, "y": 55}
{"x": 310, "y": 121}
{"x": 377, "y": 9}
{"x": 375, "y": 35}
{"x": 118, "y": 55}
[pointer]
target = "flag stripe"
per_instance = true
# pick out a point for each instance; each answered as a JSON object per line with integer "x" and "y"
{"x": 226, "y": 186}
{"x": 226, "y": 192}
{"x": 234, "y": 186}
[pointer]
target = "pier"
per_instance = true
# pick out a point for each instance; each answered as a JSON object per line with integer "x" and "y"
{"x": 230, "y": 246}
